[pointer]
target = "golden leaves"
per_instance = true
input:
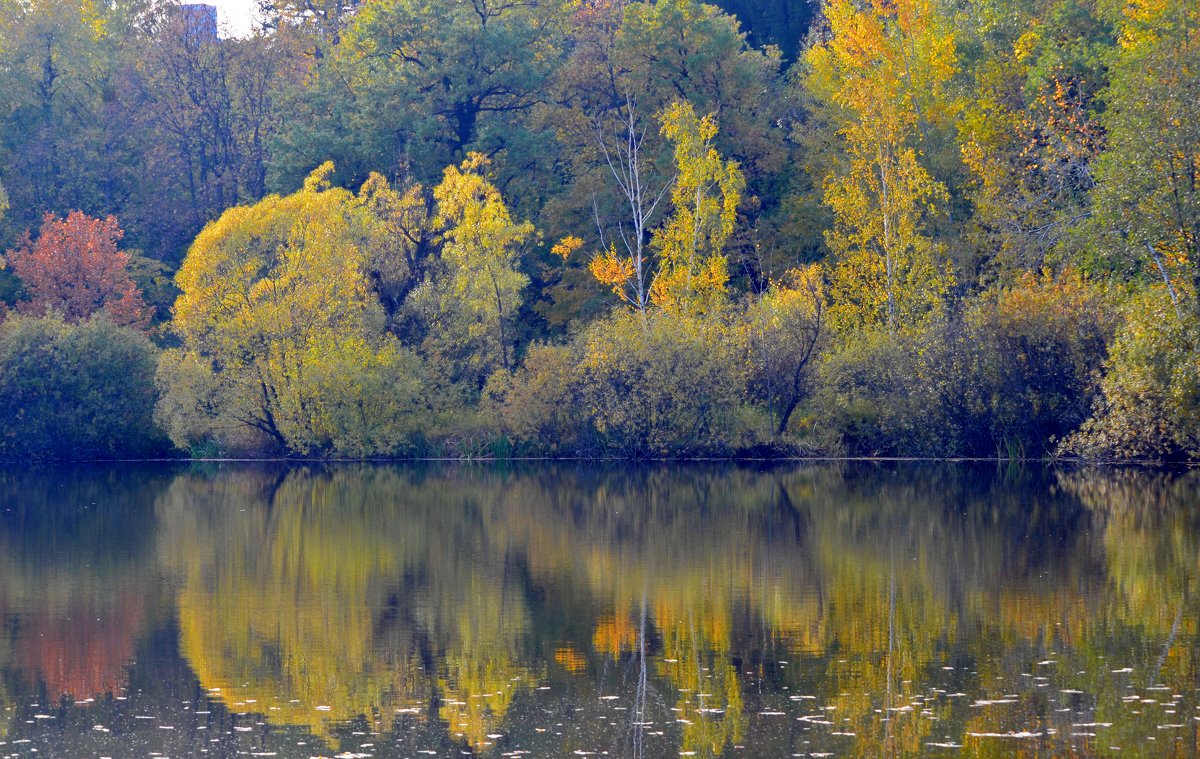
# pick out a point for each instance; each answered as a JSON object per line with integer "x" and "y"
{"x": 612, "y": 270}
{"x": 885, "y": 69}
{"x": 276, "y": 309}
{"x": 566, "y": 246}
{"x": 692, "y": 268}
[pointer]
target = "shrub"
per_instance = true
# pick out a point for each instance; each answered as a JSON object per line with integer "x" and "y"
{"x": 658, "y": 384}
{"x": 1150, "y": 407}
{"x": 539, "y": 401}
{"x": 1013, "y": 375}
{"x": 76, "y": 391}
{"x": 784, "y": 332}
{"x": 1037, "y": 352}
{"x": 878, "y": 395}
{"x": 663, "y": 384}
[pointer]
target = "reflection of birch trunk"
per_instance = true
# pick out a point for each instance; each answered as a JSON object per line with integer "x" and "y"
{"x": 887, "y": 711}
{"x": 639, "y": 704}
{"x": 1170, "y": 641}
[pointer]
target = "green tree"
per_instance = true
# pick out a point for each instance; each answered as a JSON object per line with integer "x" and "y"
{"x": 414, "y": 85}
{"x": 57, "y": 61}
{"x": 203, "y": 111}
{"x": 1147, "y": 197}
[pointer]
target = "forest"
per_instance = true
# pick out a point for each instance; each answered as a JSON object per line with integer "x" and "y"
{"x": 601, "y": 228}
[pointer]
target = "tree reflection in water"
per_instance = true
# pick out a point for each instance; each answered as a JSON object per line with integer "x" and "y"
{"x": 862, "y": 609}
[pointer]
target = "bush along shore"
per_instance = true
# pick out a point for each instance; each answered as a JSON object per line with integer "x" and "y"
{"x": 602, "y": 229}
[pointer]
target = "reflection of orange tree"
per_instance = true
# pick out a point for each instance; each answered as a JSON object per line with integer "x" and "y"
{"x": 696, "y": 661}
{"x": 693, "y": 547}
{"x": 882, "y": 625}
{"x": 83, "y": 578}
{"x": 718, "y": 560}
{"x": 83, "y": 650}
{"x": 717, "y": 557}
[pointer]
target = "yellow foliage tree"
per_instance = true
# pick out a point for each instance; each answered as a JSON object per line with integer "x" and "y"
{"x": 282, "y": 337}
{"x": 692, "y": 270}
{"x": 1147, "y": 179}
{"x": 474, "y": 301}
{"x": 692, "y": 267}
{"x": 882, "y": 74}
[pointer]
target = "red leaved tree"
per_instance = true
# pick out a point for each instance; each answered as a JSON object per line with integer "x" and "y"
{"x": 75, "y": 269}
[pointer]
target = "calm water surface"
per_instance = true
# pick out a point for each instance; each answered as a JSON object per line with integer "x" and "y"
{"x": 392, "y": 611}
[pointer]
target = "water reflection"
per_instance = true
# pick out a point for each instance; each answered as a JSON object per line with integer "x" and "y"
{"x": 852, "y": 610}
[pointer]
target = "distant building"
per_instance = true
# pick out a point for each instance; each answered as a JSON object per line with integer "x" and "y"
{"x": 199, "y": 21}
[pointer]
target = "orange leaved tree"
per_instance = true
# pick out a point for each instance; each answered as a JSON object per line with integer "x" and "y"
{"x": 74, "y": 268}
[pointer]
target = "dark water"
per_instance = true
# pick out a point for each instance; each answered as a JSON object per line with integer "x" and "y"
{"x": 841, "y": 610}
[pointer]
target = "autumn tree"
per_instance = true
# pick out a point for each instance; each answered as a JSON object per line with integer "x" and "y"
{"x": 691, "y": 270}
{"x": 1150, "y": 408}
{"x": 628, "y": 269}
{"x": 469, "y": 304}
{"x": 283, "y": 339}
{"x": 1147, "y": 200}
{"x": 316, "y": 25}
{"x": 666, "y": 384}
{"x": 882, "y": 74}
{"x": 629, "y": 62}
{"x": 401, "y": 256}
{"x": 75, "y": 269}
{"x": 1031, "y": 130}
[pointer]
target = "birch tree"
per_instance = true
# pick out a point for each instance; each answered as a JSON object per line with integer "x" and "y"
{"x": 880, "y": 73}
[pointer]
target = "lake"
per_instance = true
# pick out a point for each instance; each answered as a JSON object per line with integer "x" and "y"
{"x": 845, "y": 609}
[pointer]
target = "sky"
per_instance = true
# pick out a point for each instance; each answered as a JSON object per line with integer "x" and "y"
{"x": 234, "y": 17}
